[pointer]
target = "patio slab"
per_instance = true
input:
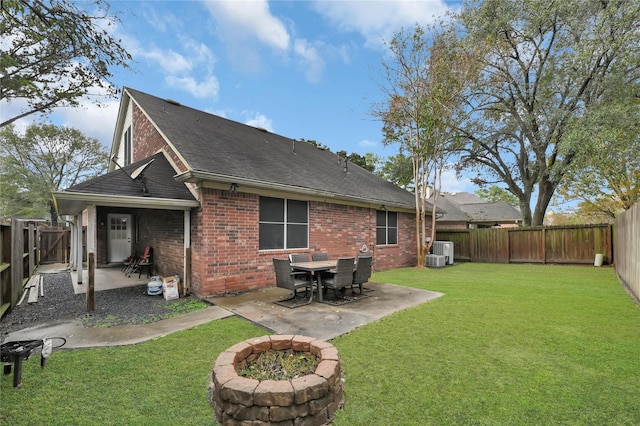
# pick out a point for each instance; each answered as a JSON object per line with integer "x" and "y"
{"x": 320, "y": 320}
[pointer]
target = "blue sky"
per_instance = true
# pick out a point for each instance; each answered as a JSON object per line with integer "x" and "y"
{"x": 302, "y": 69}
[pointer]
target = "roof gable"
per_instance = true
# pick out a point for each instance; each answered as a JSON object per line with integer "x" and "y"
{"x": 156, "y": 178}
{"x": 217, "y": 148}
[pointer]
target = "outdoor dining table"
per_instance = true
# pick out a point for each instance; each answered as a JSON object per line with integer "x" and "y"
{"x": 315, "y": 267}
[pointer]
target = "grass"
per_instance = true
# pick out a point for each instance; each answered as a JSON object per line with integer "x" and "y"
{"x": 507, "y": 344}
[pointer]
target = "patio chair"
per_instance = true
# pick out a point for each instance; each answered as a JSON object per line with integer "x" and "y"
{"x": 319, "y": 256}
{"x": 362, "y": 271}
{"x": 145, "y": 261}
{"x": 342, "y": 278}
{"x": 128, "y": 262}
{"x": 286, "y": 278}
{"x": 300, "y": 257}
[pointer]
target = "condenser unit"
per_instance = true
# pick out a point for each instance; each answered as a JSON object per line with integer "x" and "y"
{"x": 444, "y": 248}
{"x": 435, "y": 261}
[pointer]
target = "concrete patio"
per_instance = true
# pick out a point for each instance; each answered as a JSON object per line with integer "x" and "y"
{"x": 319, "y": 320}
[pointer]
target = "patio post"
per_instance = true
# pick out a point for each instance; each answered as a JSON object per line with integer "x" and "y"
{"x": 78, "y": 243}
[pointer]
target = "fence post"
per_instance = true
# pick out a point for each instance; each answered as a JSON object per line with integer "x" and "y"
{"x": 91, "y": 299}
{"x": 544, "y": 245}
{"x": 17, "y": 259}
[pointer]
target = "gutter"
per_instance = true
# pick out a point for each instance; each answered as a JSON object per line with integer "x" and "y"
{"x": 124, "y": 201}
{"x": 199, "y": 176}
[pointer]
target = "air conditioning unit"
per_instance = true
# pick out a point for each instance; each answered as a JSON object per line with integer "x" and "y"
{"x": 435, "y": 261}
{"x": 444, "y": 248}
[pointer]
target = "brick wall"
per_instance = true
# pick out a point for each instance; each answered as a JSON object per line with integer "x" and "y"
{"x": 147, "y": 141}
{"x": 225, "y": 247}
{"x": 163, "y": 231}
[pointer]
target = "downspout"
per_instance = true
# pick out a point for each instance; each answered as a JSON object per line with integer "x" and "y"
{"x": 186, "y": 261}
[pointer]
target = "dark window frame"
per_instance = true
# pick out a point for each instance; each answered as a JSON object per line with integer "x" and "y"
{"x": 281, "y": 230}
{"x": 386, "y": 229}
{"x": 128, "y": 148}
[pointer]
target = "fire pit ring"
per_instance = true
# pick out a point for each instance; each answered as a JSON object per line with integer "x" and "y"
{"x": 312, "y": 399}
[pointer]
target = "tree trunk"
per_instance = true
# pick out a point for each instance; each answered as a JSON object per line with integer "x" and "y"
{"x": 546, "y": 190}
{"x": 54, "y": 214}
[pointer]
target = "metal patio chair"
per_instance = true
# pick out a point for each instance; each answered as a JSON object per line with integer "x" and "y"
{"x": 341, "y": 278}
{"x": 362, "y": 271}
{"x": 286, "y": 278}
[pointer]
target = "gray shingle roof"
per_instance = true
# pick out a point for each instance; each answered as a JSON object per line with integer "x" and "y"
{"x": 157, "y": 176}
{"x": 215, "y": 145}
{"x": 498, "y": 211}
{"x": 466, "y": 207}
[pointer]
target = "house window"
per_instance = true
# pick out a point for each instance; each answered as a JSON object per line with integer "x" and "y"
{"x": 284, "y": 224}
{"x": 127, "y": 146}
{"x": 386, "y": 227}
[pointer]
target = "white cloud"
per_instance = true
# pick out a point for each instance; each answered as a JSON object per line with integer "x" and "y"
{"x": 92, "y": 120}
{"x": 377, "y": 21}
{"x": 181, "y": 67}
{"x": 310, "y": 60}
{"x": 242, "y": 19}
{"x": 365, "y": 143}
{"x": 260, "y": 121}
{"x": 208, "y": 88}
{"x": 451, "y": 183}
{"x": 172, "y": 62}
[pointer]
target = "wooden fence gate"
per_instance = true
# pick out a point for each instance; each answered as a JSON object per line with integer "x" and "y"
{"x": 54, "y": 245}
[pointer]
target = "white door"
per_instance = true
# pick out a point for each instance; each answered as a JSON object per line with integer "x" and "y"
{"x": 119, "y": 237}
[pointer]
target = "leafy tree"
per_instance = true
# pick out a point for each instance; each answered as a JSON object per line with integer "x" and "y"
{"x": 44, "y": 159}
{"x": 398, "y": 169}
{"x": 374, "y": 162}
{"x": 360, "y": 160}
{"x": 53, "y": 53}
{"x": 314, "y": 143}
{"x": 495, "y": 193}
{"x": 424, "y": 79}
{"x": 605, "y": 177}
{"x": 545, "y": 65}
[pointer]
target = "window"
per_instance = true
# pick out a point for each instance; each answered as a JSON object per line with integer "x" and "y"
{"x": 284, "y": 224}
{"x": 127, "y": 146}
{"x": 386, "y": 227}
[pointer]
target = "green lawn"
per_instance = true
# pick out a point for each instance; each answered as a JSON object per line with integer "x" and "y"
{"x": 506, "y": 345}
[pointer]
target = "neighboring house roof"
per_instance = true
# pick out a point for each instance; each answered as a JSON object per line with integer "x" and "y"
{"x": 217, "y": 149}
{"x": 498, "y": 212}
{"x": 466, "y": 207}
{"x": 154, "y": 175}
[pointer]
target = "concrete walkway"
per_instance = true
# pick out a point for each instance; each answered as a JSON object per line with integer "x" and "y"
{"x": 78, "y": 336}
{"x": 319, "y": 320}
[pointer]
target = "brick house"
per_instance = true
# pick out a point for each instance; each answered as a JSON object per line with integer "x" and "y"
{"x": 217, "y": 200}
{"x": 462, "y": 210}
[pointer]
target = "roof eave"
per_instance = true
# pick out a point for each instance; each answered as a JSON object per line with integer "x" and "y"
{"x": 75, "y": 202}
{"x": 193, "y": 176}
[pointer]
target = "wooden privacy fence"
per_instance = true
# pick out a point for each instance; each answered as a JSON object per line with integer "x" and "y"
{"x": 547, "y": 244}
{"x": 627, "y": 248}
{"x": 18, "y": 259}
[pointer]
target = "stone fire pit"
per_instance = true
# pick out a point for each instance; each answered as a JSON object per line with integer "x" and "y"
{"x": 310, "y": 400}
